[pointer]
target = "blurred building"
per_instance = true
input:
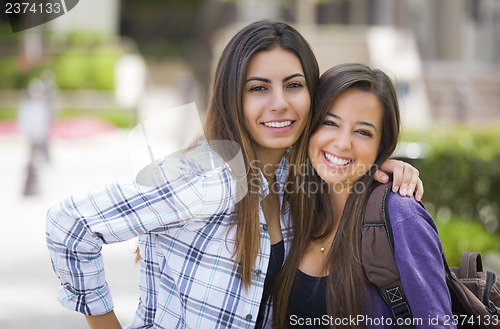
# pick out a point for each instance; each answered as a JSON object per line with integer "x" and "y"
{"x": 104, "y": 15}
{"x": 444, "y": 54}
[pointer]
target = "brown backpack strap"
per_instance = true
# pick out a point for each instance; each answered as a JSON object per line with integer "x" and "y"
{"x": 377, "y": 254}
{"x": 473, "y": 291}
{"x": 470, "y": 265}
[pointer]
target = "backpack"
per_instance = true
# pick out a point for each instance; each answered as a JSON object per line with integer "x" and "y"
{"x": 475, "y": 295}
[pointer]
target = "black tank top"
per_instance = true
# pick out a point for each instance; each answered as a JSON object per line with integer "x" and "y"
{"x": 308, "y": 301}
{"x": 275, "y": 262}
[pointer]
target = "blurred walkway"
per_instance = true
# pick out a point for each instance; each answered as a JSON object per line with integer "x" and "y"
{"x": 28, "y": 286}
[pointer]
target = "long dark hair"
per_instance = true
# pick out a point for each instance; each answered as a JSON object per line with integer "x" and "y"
{"x": 225, "y": 119}
{"x": 345, "y": 282}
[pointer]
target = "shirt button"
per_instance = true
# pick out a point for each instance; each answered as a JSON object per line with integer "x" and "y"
{"x": 258, "y": 272}
{"x": 249, "y": 317}
{"x": 265, "y": 227}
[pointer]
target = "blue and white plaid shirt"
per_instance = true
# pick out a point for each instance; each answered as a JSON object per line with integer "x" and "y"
{"x": 187, "y": 274}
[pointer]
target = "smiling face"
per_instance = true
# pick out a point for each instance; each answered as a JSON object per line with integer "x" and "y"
{"x": 346, "y": 144}
{"x": 276, "y": 100}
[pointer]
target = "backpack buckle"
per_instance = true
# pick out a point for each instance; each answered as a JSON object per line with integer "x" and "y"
{"x": 401, "y": 310}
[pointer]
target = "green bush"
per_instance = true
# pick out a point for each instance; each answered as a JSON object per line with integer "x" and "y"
{"x": 80, "y": 70}
{"x": 459, "y": 235}
{"x": 71, "y": 71}
{"x": 11, "y": 77}
{"x": 81, "y": 61}
{"x": 461, "y": 175}
{"x": 7, "y": 72}
{"x": 102, "y": 70}
{"x": 8, "y": 113}
{"x": 461, "y": 172}
{"x": 118, "y": 117}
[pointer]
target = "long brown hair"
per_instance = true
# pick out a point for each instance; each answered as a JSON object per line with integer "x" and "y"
{"x": 225, "y": 119}
{"x": 345, "y": 282}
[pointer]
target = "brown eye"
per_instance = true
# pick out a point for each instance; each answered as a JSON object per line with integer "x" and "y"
{"x": 330, "y": 123}
{"x": 295, "y": 85}
{"x": 365, "y": 133}
{"x": 257, "y": 88}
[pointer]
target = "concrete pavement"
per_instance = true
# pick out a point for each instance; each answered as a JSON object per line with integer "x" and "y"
{"x": 27, "y": 283}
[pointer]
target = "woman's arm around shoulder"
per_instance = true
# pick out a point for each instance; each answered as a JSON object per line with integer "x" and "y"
{"x": 406, "y": 178}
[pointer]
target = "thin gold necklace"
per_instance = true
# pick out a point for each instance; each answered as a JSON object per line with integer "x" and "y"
{"x": 327, "y": 242}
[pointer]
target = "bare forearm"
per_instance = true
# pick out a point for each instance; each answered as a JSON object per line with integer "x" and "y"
{"x": 105, "y": 321}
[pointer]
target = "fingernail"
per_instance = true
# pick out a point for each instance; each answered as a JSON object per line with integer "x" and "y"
{"x": 395, "y": 188}
{"x": 403, "y": 191}
{"x": 410, "y": 192}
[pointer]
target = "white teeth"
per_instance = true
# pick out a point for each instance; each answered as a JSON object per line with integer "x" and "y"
{"x": 336, "y": 161}
{"x": 278, "y": 124}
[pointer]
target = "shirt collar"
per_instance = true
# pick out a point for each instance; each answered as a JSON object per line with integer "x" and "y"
{"x": 281, "y": 174}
